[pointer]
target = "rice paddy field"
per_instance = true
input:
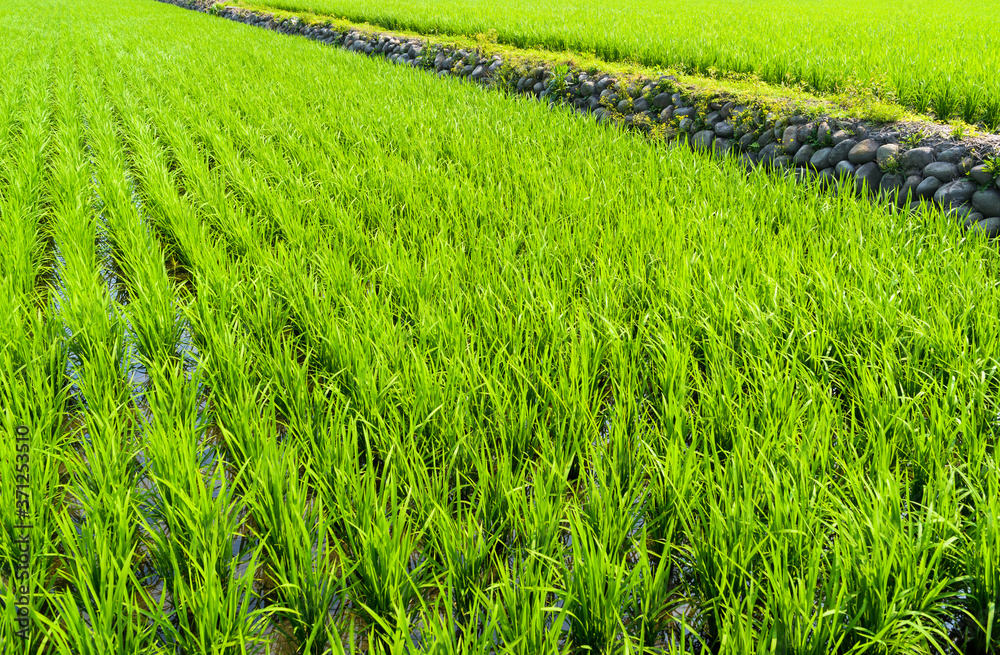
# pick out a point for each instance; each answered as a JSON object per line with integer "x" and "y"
{"x": 937, "y": 57}
{"x": 301, "y": 352}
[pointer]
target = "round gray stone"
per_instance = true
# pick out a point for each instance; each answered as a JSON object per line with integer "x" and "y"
{"x": 908, "y": 193}
{"x": 821, "y": 159}
{"x": 929, "y": 187}
{"x": 841, "y": 150}
{"x": 703, "y": 140}
{"x": 889, "y": 184}
{"x": 944, "y": 171}
{"x": 955, "y": 193}
{"x": 980, "y": 176}
{"x": 918, "y": 158}
{"x": 885, "y": 153}
{"x": 867, "y": 176}
{"x": 804, "y": 155}
{"x": 823, "y": 133}
{"x": 789, "y": 140}
{"x": 724, "y": 130}
{"x": 952, "y": 155}
{"x": 989, "y": 227}
{"x": 987, "y": 203}
{"x": 844, "y": 169}
{"x": 768, "y": 153}
{"x": 840, "y": 136}
{"x": 661, "y": 101}
{"x": 864, "y": 152}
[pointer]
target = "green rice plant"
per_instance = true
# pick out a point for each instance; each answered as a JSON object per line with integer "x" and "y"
{"x": 389, "y": 571}
{"x": 656, "y": 600}
{"x": 496, "y": 490}
{"x": 212, "y": 608}
{"x": 107, "y": 608}
{"x": 306, "y": 569}
{"x": 242, "y": 415}
{"x": 805, "y": 596}
{"x": 442, "y": 633}
{"x": 597, "y": 590}
{"x": 32, "y": 359}
{"x": 892, "y": 559}
{"x": 981, "y": 549}
{"x": 613, "y": 497}
{"x": 464, "y": 550}
{"x": 724, "y": 551}
{"x": 539, "y": 510}
{"x": 527, "y": 619}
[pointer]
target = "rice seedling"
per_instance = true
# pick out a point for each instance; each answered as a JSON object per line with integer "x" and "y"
{"x": 596, "y": 592}
{"x": 980, "y": 553}
{"x": 304, "y": 562}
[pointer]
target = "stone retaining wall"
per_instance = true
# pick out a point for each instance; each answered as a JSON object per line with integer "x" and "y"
{"x": 849, "y": 155}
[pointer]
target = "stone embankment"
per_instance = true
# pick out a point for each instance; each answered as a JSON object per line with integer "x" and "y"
{"x": 932, "y": 168}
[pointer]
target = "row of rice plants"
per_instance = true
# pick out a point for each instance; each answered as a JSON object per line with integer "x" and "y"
{"x": 933, "y": 57}
{"x": 473, "y": 384}
{"x": 32, "y": 361}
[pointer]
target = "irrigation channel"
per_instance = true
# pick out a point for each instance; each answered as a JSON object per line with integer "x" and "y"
{"x": 294, "y": 366}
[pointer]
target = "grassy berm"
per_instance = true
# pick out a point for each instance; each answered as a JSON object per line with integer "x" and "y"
{"x": 318, "y": 354}
{"x": 933, "y": 56}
